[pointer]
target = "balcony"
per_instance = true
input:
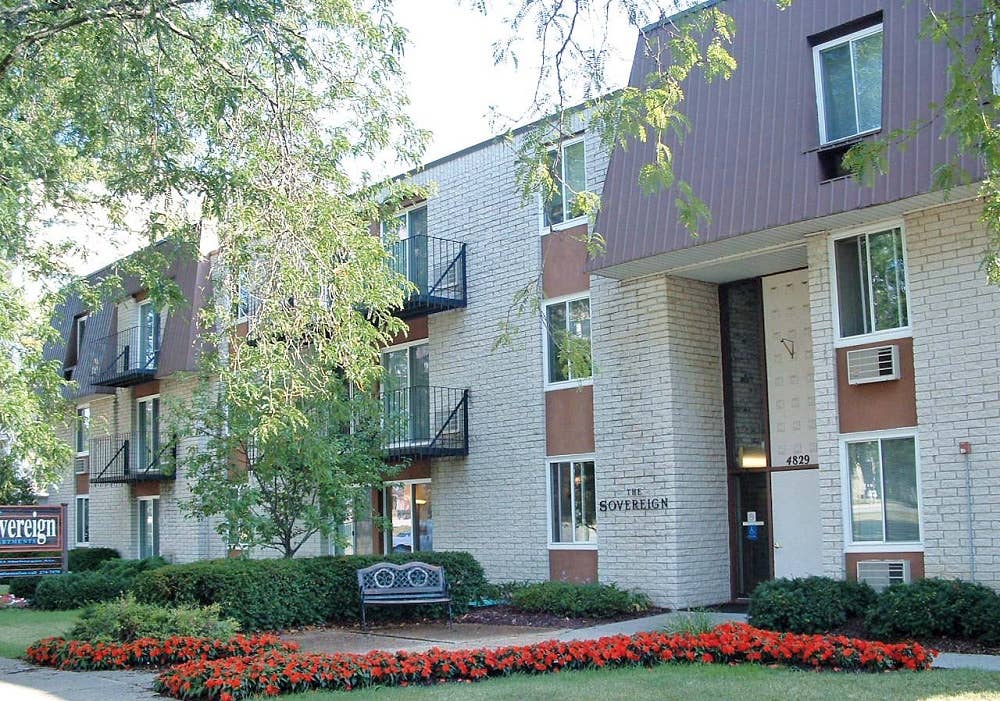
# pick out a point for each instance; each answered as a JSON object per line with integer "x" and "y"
{"x": 131, "y": 458}
{"x": 436, "y": 267}
{"x": 426, "y": 422}
{"x": 131, "y": 357}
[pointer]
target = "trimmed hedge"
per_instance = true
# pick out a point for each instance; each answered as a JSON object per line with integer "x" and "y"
{"x": 76, "y": 589}
{"x": 809, "y": 605}
{"x": 124, "y": 620}
{"x": 80, "y": 560}
{"x": 577, "y": 600}
{"x": 276, "y": 594}
{"x": 936, "y": 607}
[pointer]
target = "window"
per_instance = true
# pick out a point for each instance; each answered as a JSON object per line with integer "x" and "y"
{"x": 406, "y": 393}
{"x": 567, "y": 167}
{"x": 871, "y": 283}
{"x": 573, "y": 502}
{"x": 149, "y": 526}
{"x": 849, "y": 84}
{"x": 147, "y": 434}
{"x": 882, "y": 473}
{"x": 408, "y": 508}
{"x": 81, "y": 328}
{"x": 567, "y": 353}
{"x": 82, "y": 520}
{"x": 149, "y": 336}
{"x": 82, "y": 430}
{"x": 406, "y": 238}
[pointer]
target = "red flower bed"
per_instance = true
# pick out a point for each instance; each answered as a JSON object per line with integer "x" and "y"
{"x": 277, "y": 672}
{"x": 83, "y": 655}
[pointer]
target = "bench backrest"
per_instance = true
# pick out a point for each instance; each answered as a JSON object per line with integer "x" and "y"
{"x": 414, "y": 579}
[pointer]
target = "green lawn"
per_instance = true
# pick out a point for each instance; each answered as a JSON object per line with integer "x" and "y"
{"x": 21, "y": 627}
{"x": 697, "y": 682}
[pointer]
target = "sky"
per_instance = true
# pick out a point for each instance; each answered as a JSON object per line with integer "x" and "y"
{"x": 452, "y": 82}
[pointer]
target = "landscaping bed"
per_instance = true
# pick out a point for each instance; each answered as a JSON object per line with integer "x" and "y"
{"x": 507, "y": 615}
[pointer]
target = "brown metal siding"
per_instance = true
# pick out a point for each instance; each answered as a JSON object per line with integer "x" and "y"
{"x": 569, "y": 421}
{"x": 750, "y": 155}
{"x": 564, "y": 262}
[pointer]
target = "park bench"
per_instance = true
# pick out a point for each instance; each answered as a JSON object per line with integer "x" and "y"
{"x": 386, "y": 584}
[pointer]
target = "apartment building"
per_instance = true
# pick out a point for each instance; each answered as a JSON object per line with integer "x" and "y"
{"x": 812, "y": 381}
{"x": 810, "y": 386}
{"x": 495, "y": 445}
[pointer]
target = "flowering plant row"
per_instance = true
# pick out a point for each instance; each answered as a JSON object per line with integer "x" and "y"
{"x": 83, "y": 655}
{"x": 276, "y": 672}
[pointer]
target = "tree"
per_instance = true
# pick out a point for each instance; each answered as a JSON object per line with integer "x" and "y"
{"x": 15, "y": 487}
{"x": 277, "y": 489}
{"x": 244, "y": 115}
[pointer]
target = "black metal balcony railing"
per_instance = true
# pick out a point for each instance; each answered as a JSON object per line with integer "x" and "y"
{"x": 132, "y": 458}
{"x": 426, "y": 421}
{"x": 131, "y": 356}
{"x": 436, "y": 267}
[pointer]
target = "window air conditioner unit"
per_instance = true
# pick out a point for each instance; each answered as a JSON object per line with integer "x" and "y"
{"x": 80, "y": 464}
{"x": 880, "y": 574}
{"x": 879, "y": 364}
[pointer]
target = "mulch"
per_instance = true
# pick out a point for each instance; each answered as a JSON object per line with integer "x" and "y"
{"x": 855, "y": 628}
{"x": 505, "y": 615}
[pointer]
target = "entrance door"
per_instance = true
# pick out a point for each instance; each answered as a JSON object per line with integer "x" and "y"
{"x": 753, "y": 532}
{"x": 797, "y": 535}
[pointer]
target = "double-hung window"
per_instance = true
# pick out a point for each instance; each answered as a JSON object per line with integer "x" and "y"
{"x": 567, "y": 324}
{"x": 82, "y": 433}
{"x": 871, "y": 283}
{"x": 573, "y": 504}
{"x": 82, "y": 520}
{"x": 568, "y": 170}
{"x": 849, "y": 84}
{"x": 882, "y": 479}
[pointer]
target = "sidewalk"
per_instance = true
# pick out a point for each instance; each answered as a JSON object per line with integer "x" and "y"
{"x": 20, "y": 681}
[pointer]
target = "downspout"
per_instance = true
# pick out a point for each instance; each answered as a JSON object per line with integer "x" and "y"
{"x": 968, "y": 492}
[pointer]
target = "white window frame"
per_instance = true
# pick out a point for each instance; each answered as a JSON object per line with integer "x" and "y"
{"x": 875, "y": 336}
{"x": 387, "y": 508}
{"x": 79, "y": 337}
{"x": 852, "y": 546}
{"x": 818, "y": 74}
{"x": 76, "y": 521}
{"x": 577, "y": 382}
{"x": 575, "y": 221}
{"x": 135, "y": 418}
{"x": 76, "y": 431}
{"x": 556, "y": 545}
{"x": 138, "y": 524}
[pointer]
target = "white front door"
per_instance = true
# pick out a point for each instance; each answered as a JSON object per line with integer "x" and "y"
{"x": 795, "y": 513}
{"x": 792, "y": 426}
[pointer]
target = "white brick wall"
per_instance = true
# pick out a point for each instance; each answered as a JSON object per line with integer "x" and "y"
{"x": 827, "y": 416}
{"x": 955, "y": 320}
{"x": 658, "y": 414}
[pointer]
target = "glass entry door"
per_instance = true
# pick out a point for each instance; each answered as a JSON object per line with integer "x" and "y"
{"x": 406, "y": 237}
{"x": 752, "y": 528}
{"x": 149, "y": 336}
{"x": 406, "y": 394}
{"x": 408, "y": 505}
{"x": 147, "y": 437}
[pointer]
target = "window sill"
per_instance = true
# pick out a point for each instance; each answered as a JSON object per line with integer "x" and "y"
{"x": 876, "y": 548}
{"x": 573, "y": 546}
{"x": 82, "y": 545}
{"x": 569, "y": 384}
{"x": 562, "y": 226}
{"x": 877, "y": 337}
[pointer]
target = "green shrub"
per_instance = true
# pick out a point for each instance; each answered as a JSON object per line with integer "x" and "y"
{"x": 76, "y": 589}
{"x": 89, "y": 559}
{"x": 577, "y": 600}
{"x": 123, "y": 620}
{"x": 936, "y": 607}
{"x": 80, "y": 560}
{"x": 274, "y": 594}
{"x": 809, "y": 605}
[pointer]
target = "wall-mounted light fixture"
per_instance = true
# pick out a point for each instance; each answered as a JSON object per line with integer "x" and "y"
{"x": 752, "y": 456}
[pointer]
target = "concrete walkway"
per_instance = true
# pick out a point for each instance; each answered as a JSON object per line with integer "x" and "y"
{"x": 20, "y": 681}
